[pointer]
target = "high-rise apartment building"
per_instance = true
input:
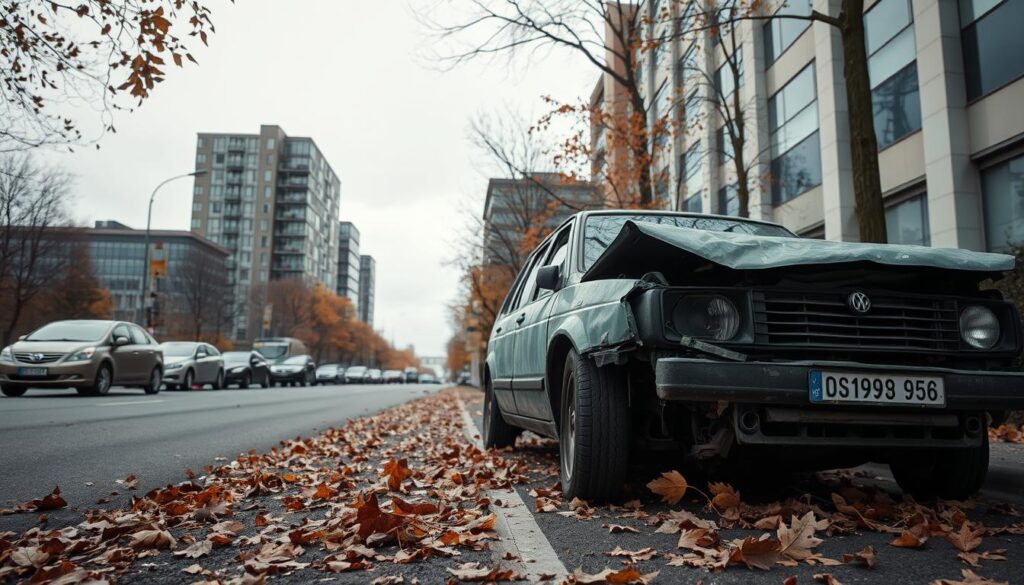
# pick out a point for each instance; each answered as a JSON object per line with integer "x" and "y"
{"x": 272, "y": 201}
{"x": 367, "y": 284}
{"x": 348, "y": 263}
{"x": 947, "y": 79}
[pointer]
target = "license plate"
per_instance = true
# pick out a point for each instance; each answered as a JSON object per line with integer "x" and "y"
{"x": 862, "y": 388}
{"x": 32, "y": 371}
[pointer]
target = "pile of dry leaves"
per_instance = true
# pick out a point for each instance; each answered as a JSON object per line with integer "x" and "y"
{"x": 397, "y": 488}
{"x": 1007, "y": 434}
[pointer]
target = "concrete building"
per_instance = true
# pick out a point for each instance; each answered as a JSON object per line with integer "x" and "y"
{"x": 947, "y": 81}
{"x": 367, "y": 284}
{"x": 348, "y": 263}
{"x": 117, "y": 253}
{"x": 272, "y": 201}
{"x": 515, "y": 206}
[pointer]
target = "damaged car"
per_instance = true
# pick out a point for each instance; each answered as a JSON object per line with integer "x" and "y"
{"x": 720, "y": 339}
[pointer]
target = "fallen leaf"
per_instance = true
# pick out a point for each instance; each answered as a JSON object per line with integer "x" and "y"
{"x": 865, "y": 557}
{"x": 619, "y": 528}
{"x": 396, "y": 471}
{"x": 967, "y": 539}
{"x": 913, "y": 538}
{"x": 969, "y": 578}
{"x": 51, "y": 501}
{"x": 634, "y": 556}
{"x": 671, "y": 486}
{"x": 974, "y": 558}
{"x": 757, "y": 553}
{"x": 627, "y": 575}
{"x": 797, "y": 539}
{"x": 152, "y": 539}
{"x": 477, "y": 572}
{"x": 197, "y": 549}
{"x": 826, "y": 578}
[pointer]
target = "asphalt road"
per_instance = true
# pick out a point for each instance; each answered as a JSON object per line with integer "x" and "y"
{"x": 84, "y": 444}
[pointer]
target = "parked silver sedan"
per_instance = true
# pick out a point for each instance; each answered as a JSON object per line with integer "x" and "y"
{"x": 190, "y": 363}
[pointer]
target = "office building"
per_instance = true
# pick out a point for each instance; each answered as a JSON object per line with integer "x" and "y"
{"x": 947, "y": 82}
{"x": 367, "y": 284}
{"x": 117, "y": 253}
{"x": 514, "y": 207}
{"x": 272, "y": 201}
{"x": 348, "y": 263}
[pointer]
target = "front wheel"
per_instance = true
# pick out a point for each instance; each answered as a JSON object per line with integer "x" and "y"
{"x": 246, "y": 382}
{"x": 950, "y": 474}
{"x": 497, "y": 432}
{"x": 265, "y": 383}
{"x": 155, "y": 380}
{"x": 101, "y": 384}
{"x": 593, "y": 430}
{"x": 13, "y": 391}
{"x": 188, "y": 380}
{"x": 218, "y": 384}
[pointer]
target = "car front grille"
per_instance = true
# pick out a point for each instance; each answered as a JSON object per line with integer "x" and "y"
{"x": 796, "y": 319}
{"x": 43, "y": 358}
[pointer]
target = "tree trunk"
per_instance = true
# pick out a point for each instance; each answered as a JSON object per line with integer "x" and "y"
{"x": 641, "y": 155}
{"x": 867, "y": 186}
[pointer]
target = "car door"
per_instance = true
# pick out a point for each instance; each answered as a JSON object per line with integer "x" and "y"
{"x": 258, "y": 367}
{"x": 125, "y": 364}
{"x": 206, "y": 364}
{"x": 531, "y": 335}
{"x": 502, "y": 342}
{"x": 143, "y": 353}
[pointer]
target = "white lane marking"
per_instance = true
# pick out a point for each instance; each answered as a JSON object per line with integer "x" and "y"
{"x": 519, "y": 532}
{"x": 127, "y": 403}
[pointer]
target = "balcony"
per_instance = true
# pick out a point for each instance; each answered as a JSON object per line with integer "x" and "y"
{"x": 289, "y": 215}
{"x": 293, "y": 197}
{"x": 232, "y": 211}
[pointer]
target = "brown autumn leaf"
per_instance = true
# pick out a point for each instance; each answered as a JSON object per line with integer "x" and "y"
{"x": 131, "y": 482}
{"x": 865, "y": 557}
{"x": 757, "y": 553}
{"x": 477, "y": 572}
{"x": 697, "y": 538}
{"x": 915, "y": 537}
{"x": 625, "y": 576}
{"x": 725, "y": 496}
{"x": 373, "y": 520}
{"x": 51, "y": 501}
{"x": 634, "y": 556}
{"x": 967, "y": 539}
{"x": 195, "y": 550}
{"x": 194, "y": 569}
{"x": 969, "y": 578}
{"x": 671, "y": 486}
{"x": 619, "y": 528}
{"x": 974, "y": 558}
{"x": 396, "y": 471}
{"x": 152, "y": 539}
{"x": 413, "y": 509}
{"x": 827, "y": 579}
{"x": 29, "y": 557}
{"x": 790, "y": 580}
{"x": 797, "y": 539}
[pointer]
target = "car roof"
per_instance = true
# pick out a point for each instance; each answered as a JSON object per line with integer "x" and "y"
{"x": 588, "y": 213}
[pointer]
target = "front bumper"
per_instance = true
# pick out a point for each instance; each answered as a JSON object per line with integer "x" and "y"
{"x": 771, "y": 404}
{"x": 700, "y": 380}
{"x": 288, "y": 376}
{"x": 76, "y": 374}
{"x": 174, "y": 376}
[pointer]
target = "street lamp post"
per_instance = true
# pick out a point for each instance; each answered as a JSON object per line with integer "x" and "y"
{"x": 145, "y": 262}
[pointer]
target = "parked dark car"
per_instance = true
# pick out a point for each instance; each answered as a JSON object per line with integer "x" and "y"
{"x": 719, "y": 338}
{"x": 297, "y": 370}
{"x": 89, "y": 356}
{"x": 188, "y": 364}
{"x": 245, "y": 368}
{"x": 411, "y": 375}
{"x": 330, "y": 374}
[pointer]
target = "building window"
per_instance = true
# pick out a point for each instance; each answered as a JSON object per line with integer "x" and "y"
{"x": 686, "y": 67}
{"x": 780, "y": 33}
{"x": 725, "y": 80}
{"x": 692, "y": 163}
{"x": 728, "y": 200}
{"x": 892, "y": 66}
{"x": 691, "y": 111}
{"x": 270, "y": 144}
{"x": 693, "y": 204}
{"x": 992, "y": 44}
{"x": 197, "y": 223}
{"x": 724, "y": 145}
{"x": 197, "y": 190}
{"x": 795, "y": 145}
{"x": 200, "y": 158}
{"x": 218, "y": 159}
{"x": 907, "y": 222}
{"x": 197, "y": 206}
{"x": 1002, "y": 188}
{"x": 267, "y": 175}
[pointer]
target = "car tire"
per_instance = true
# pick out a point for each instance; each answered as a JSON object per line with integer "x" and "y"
{"x": 497, "y": 433}
{"x": 102, "y": 382}
{"x": 594, "y": 430}
{"x": 156, "y": 379}
{"x": 265, "y": 383}
{"x": 218, "y": 384}
{"x": 188, "y": 381}
{"x": 949, "y": 474}
{"x": 13, "y": 391}
{"x": 246, "y": 382}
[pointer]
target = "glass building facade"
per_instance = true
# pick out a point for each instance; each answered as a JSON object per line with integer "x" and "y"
{"x": 348, "y": 263}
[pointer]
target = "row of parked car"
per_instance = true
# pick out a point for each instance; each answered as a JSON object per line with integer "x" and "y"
{"x": 91, "y": 356}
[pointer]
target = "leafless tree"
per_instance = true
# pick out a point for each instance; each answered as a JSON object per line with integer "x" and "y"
{"x": 33, "y": 201}
{"x": 205, "y": 295}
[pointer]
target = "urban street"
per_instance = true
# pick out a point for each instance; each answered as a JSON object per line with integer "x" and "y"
{"x": 501, "y": 291}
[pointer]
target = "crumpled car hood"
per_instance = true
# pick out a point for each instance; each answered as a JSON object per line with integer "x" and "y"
{"x": 644, "y": 247}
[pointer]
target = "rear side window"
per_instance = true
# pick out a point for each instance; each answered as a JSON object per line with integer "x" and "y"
{"x": 557, "y": 257}
{"x": 122, "y": 331}
{"x": 139, "y": 336}
{"x": 212, "y": 350}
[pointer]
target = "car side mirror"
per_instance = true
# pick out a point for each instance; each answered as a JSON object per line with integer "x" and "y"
{"x": 122, "y": 340}
{"x": 22, "y": 337}
{"x": 548, "y": 276}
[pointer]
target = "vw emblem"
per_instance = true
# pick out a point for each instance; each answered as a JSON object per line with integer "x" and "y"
{"x": 36, "y": 357}
{"x": 859, "y": 302}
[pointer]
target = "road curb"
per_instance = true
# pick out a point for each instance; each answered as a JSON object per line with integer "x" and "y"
{"x": 519, "y": 532}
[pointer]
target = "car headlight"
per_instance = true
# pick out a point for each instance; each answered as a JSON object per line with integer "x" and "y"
{"x": 706, "y": 317}
{"x": 238, "y": 370}
{"x": 6, "y": 355}
{"x": 979, "y": 327}
{"x": 82, "y": 355}
{"x": 173, "y": 366}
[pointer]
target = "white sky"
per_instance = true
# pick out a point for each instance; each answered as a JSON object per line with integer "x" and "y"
{"x": 353, "y": 76}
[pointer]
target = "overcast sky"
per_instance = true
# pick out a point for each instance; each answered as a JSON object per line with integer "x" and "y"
{"x": 354, "y": 77}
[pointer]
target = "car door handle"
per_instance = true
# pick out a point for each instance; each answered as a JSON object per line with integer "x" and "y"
{"x": 520, "y": 319}
{"x": 498, "y": 330}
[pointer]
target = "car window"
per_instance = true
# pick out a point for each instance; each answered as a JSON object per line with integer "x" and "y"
{"x": 70, "y": 331}
{"x": 122, "y": 331}
{"x": 138, "y": 336}
{"x": 212, "y": 350}
{"x": 557, "y": 257}
{"x": 530, "y": 283}
{"x": 201, "y": 351}
{"x": 513, "y": 293}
